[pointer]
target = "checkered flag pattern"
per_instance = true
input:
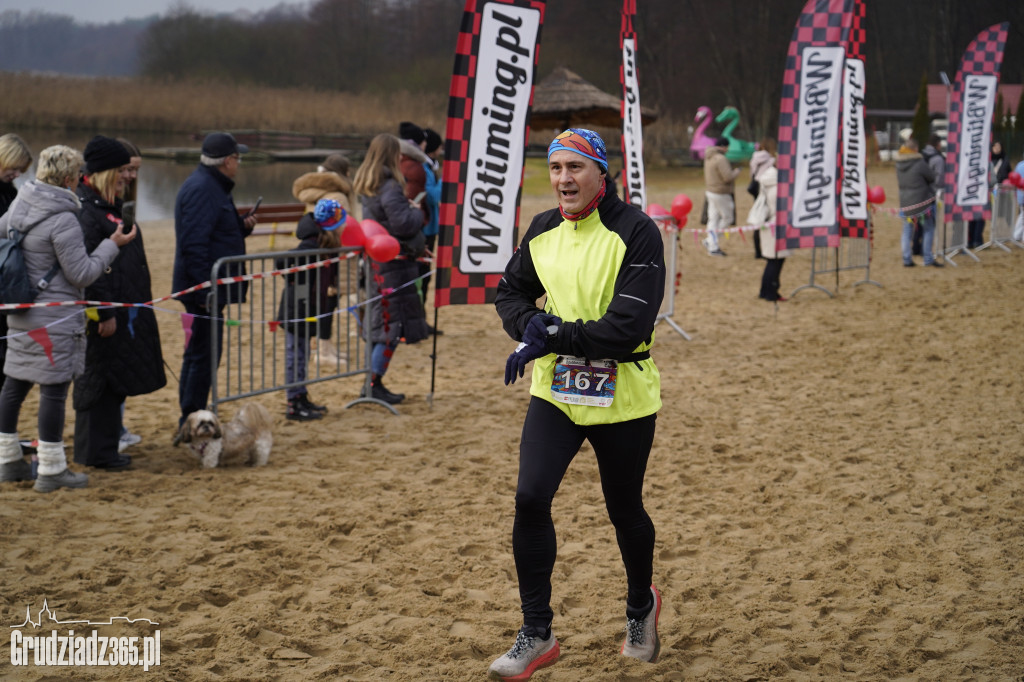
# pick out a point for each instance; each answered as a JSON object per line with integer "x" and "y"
{"x": 984, "y": 56}
{"x": 857, "y": 229}
{"x": 823, "y": 23}
{"x": 454, "y": 287}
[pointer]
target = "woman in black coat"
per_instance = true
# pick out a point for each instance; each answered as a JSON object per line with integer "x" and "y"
{"x": 399, "y": 315}
{"x": 123, "y": 354}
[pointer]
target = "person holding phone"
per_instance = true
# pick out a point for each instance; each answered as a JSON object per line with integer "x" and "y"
{"x": 207, "y": 227}
{"x": 123, "y": 354}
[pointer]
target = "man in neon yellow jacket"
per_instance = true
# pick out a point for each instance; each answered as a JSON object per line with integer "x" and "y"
{"x": 600, "y": 263}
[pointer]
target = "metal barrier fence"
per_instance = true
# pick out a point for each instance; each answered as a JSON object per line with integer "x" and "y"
{"x": 851, "y": 254}
{"x": 670, "y": 239}
{"x": 1004, "y": 213}
{"x": 253, "y": 361}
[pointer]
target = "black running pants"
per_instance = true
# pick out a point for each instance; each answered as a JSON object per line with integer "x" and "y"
{"x": 549, "y": 443}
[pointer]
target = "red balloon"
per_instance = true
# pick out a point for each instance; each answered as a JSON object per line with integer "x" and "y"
{"x": 352, "y": 234}
{"x": 1014, "y": 178}
{"x": 876, "y": 194}
{"x": 382, "y": 247}
{"x": 657, "y": 211}
{"x": 372, "y": 228}
{"x": 681, "y": 206}
{"x": 681, "y": 222}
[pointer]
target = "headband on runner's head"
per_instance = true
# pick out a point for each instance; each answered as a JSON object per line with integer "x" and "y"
{"x": 583, "y": 142}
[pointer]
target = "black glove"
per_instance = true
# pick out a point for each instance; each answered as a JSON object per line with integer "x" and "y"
{"x": 534, "y": 345}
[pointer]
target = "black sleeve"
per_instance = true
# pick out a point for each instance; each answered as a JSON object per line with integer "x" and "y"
{"x": 93, "y": 234}
{"x": 520, "y": 287}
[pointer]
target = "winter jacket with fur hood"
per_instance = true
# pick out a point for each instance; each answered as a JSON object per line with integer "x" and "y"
{"x": 310, "y": 188}
{"x": 48, "y": 215}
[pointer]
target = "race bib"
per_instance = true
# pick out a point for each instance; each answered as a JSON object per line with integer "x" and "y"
{"x": 581, "y": 382}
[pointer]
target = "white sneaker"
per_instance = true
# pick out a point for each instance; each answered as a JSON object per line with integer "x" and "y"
{"x": 526, "y": 656}
{"x": 127, "y": 440}
{"x": 642, "y": 635}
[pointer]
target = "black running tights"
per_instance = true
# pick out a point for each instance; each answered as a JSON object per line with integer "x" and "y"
{"x": 549, "y": 443}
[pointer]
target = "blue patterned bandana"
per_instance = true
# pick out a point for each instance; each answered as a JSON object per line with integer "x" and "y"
{"x": 583, "y": 142}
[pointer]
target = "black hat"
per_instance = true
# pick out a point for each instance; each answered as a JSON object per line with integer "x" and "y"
{"x": 410, "y": 131}
{"x": 219, "y": 145}
{"x": 104, "y": 153}
{"x": 722, "y": 142}
{"x": 433, "y": 139}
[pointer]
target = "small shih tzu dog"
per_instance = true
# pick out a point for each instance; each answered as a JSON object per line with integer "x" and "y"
{"x": 246, "y": 437}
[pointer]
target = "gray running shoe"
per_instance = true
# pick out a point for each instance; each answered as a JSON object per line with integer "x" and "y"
{"x": 642, "y": 635}
{"x": 65, "y": 479}
{"x": 19, "y": 470}
{"x": 526, "y": 656}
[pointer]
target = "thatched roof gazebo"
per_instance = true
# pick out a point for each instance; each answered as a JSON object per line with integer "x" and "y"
{"x": 564, "y": 100}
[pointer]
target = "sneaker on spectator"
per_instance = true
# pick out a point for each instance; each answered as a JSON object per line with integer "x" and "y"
{"x": 307, "y": 403}
{"x": 297, "y": 411}
{"x": 127, "y": 440}
{"x": 642, "y": 635}
{"x": 526, "y": 656}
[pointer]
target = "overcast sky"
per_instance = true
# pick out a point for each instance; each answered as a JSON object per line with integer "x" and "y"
{"x": 105, "y": 11}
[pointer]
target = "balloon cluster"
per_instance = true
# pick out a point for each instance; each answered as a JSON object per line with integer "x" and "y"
{"x": 876, "y": 195}
{"x": 1016, "y": 179}
{"x": 681, "y": 207}
{"x": 372, "y": 236}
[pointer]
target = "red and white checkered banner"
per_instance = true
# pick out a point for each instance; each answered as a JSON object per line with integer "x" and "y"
{"x": 971, "y": 108}
{"x": 809, "y": 161}
{"x": 633, "y": 180}
{"x": 485, "y": 147}
{"x": 853, "y": 199}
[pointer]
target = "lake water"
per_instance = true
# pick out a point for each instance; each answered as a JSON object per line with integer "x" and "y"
{"x": 159, "y": 179}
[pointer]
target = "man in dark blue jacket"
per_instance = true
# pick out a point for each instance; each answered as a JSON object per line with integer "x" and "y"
{"x": 207, "y": 227}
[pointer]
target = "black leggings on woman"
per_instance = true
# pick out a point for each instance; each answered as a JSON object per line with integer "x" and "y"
{"x": 549, "y": 443}
{"x": 52, "y": 400}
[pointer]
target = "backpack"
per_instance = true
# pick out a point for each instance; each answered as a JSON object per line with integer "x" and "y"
{"x": 15, "y": 286}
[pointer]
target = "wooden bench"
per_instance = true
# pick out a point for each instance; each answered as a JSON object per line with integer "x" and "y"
{"x": 272, "y": 214}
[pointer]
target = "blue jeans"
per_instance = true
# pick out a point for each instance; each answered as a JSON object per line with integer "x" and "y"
{"x": 927, "y": 220}
{"x": 196, "y": 373}
{"x": 380, "y": 357}
{"x": 296, "y": 355}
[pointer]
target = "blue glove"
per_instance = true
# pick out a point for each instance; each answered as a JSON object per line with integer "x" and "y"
{"x": 534, "y": 345}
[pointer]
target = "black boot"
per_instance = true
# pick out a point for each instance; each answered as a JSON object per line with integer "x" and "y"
{"x": 378, "y": 391}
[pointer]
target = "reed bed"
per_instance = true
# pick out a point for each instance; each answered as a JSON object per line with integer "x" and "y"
{"x": 127, "y": 105}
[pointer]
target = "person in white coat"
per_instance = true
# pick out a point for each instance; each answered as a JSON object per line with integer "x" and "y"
{"x": 762, "y": 214}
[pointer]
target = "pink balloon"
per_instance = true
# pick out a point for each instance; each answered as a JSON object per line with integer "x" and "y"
{"x": 681, "y": 206}
{"x": 382, "y": 247}
{"x": 876, "y": 194}
{"x": 657, "y": 211}
{"x": 372, "y": 228}
{"x": 352, "y": 234}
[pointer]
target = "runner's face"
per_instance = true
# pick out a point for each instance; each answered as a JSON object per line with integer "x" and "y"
{"x": 575, "y": 179}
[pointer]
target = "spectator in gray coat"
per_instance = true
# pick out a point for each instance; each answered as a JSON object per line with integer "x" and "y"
{"x": 916, "y": 180}
{"x": 47, "y": 346}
